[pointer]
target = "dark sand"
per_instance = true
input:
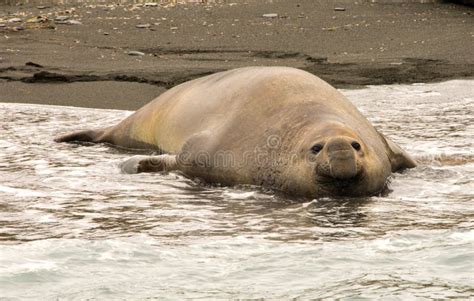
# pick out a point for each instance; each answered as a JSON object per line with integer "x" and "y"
{"x": 88, "y": 65}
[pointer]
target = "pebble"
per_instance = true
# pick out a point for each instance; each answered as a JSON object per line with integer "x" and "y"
{"x": 135, "y": 53}
{"x": 143, "y": 26}
{"x": 38, "y": 19}
{"x": 173, "y": 28}
{"x": 14, "y": 20}
{"x": 151, "y": 4}
{"x": 31, "y": 64}
{"x": 339, "y": 9}
{"x": 3, "y": 25}
{"x": 73, "y": 22}
{"x": 61, "y": 18}
{"x": 272, "y": 15}
{"x": 42, "y": 7}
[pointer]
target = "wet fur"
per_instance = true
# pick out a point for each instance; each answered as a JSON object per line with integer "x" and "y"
{"x": 237, "y": 111}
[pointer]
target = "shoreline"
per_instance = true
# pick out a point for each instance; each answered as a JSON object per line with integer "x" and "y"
{"x": 88, "y": 63}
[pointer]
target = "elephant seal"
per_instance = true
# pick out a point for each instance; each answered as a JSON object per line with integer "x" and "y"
{"x": 277, "y": 127}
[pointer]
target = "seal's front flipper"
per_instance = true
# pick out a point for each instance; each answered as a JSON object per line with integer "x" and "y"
{"x": 399, "y": 159}
{"x": 93, "y": 136}
{"x": 139, "y": 164}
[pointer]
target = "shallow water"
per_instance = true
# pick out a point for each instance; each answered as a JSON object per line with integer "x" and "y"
{"x": 74, "y": 227}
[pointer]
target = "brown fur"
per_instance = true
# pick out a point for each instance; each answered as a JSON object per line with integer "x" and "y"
{"x": 264, "y": 121}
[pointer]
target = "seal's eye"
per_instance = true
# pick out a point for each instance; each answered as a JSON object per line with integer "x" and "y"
{"x": 316, "y": 148}
{"x": 355, "y": 145}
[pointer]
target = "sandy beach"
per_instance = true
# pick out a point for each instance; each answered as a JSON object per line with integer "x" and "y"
{"x": 123, "y": 55}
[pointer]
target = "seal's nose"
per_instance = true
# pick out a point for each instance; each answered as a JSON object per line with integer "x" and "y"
{"x": 342, "y": 158}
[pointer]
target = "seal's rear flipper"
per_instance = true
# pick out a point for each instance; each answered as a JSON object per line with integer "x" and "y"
{"x": 139, "y": 164}
{"x": 81, "y": 136}
{"x": 399, "y": 159}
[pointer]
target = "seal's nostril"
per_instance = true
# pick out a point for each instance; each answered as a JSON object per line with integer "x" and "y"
{"x": 355, "y": 145}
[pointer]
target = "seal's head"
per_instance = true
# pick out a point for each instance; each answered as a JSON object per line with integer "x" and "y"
{"x": 336, "y": 161}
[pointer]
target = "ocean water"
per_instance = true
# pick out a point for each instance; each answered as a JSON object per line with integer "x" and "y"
{"x": 74, "y": 227}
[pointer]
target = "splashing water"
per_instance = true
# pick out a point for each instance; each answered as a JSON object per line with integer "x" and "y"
{"x": 74, "y": 226}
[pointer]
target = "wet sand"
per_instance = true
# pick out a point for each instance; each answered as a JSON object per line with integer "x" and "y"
{"x": 89, "y": 64}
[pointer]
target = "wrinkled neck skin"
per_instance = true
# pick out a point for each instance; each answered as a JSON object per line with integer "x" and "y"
{"x": 333, "y": 160}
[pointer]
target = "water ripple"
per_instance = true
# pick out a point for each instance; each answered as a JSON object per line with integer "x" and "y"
{"x": 74, "y": 226}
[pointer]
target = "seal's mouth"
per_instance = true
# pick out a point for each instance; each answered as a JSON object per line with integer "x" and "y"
{"x": 341, "y": 186}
